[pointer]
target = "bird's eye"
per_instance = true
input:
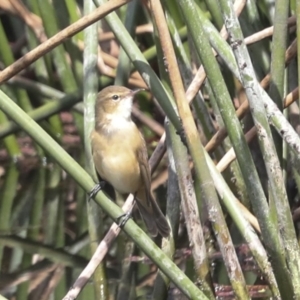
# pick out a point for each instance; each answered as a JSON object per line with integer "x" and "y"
{"x": 115, "y": 97}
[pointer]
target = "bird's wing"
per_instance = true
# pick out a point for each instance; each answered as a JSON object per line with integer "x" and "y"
{"x": 145, "y": 171}
{"x": 95, "y": 141}
{"x": 152, "y": 215}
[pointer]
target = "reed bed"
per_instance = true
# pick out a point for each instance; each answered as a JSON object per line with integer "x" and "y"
{"x": 220, "y": 116}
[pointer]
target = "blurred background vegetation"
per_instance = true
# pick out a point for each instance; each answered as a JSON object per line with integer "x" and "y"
{"x": 231, "y": 198}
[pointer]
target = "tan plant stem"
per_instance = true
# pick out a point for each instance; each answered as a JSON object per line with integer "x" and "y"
{"x": 57, "y": 39}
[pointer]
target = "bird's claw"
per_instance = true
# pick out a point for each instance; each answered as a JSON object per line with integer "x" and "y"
{"x": 122, "y": 220}
{"x": 96, "y": 189}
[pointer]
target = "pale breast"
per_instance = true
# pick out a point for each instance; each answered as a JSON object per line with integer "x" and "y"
{"x": 115, "y": 160}
{"x": 122, "y": 171}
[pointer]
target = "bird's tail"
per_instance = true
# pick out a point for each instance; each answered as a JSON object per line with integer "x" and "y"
{"x": 153, "y": 217}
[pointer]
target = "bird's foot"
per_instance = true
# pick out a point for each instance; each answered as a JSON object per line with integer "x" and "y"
{"x": 122, "y": 220}
{"x": 96, "y": 189}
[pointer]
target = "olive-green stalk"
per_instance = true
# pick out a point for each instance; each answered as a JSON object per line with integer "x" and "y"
{"x": 124, "y": 63}
{"x": 94, "y": 212}
{"x": 64, "y": 71}
{"x": 214, "y": 9}
{"x": 141, "y": 64}
{"x": 43, "y": 112}
{"x": 44, "y": 73}
{"x": 59, "y": 243}
{"x": 86, "y": 182}
{"x": 197, "y": 152}
{"x": 187, "y": 193}
{"x": 238, "y": 186}
{"x": 59, "y": 37}
{"x": 73, "y": 10}
{"x": 250, "y": 22}
{"x": 56, "y": 255}
{"x": 34, "y": 226}
{"x": 229, "y": 201}
{"x": 10, "y": 142}
{"x": 173, "y": 10}
{"x": 279, "y": 43}
{"x": 63, "y": 20}
{"x": 43, "y": 67}
{"x": 7, "y": 58}
{"x": 298, "y": 40}
{"x": 8, "y": 193}
{"x": 191, "y": 213}
{"x": 186, "y": 69}
{"x": 127, "y": 284}
{"x": 52, "y": 199}
{"x": 236, "y": 135}
{"x": 282, "y": 126}
{"x": 201, "y": 108}
{"x": 161, "y": 284}
{"x": 150, "y": 53}
{"x": 267, "y": 147}
{"x": 63, "y": 68}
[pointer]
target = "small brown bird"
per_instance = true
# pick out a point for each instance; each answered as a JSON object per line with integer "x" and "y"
{"x": 120, "y": 154}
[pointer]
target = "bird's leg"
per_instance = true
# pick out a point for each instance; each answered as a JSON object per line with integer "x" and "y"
{"x": 125, "y": 217}
{"x": 96, "y": 189}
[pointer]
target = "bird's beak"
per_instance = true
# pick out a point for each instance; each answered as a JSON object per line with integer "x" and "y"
{"x": 135, "y": 91}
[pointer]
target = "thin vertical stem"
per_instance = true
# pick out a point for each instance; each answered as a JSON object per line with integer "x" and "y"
{"x": 267, "y": 148}
{"x": 279, "y": 44}
{"x": 197, "y": 152}
{"x": 95, "y": 224}
{"x": 248, "y": 169}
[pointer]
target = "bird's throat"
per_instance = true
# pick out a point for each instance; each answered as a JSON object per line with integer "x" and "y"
{"x": 114, "y": 125}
